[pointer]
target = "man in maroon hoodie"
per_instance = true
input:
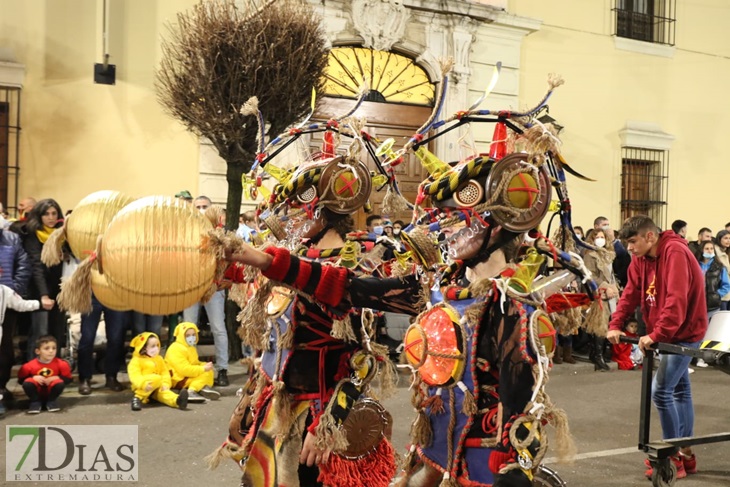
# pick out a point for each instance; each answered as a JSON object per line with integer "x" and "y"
{"x": 666, "y": 280}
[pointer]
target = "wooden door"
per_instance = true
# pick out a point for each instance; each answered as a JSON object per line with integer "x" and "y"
{"x": 383, "y": 121}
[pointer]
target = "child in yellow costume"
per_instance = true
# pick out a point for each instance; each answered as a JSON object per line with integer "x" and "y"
{"x": 150, "y": 376}
{"x": 188, "y": 372}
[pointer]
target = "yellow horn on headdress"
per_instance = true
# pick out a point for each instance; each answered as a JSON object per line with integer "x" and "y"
{"x": 277, "y": 173}
{"x": 264, "y": 192}
{"x": 433, "y": 164}
{"x": 386, "y": 149}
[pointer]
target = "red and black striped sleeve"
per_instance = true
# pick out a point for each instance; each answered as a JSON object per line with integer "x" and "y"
{"x": 327, "y": 283}
{"x": 337, "y": 287}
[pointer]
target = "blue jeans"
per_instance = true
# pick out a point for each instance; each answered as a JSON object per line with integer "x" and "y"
{"x": 672, "y": 396}
{"x": 217, "y": 318}
{"x": 116, "y": 323}
{"x": 142, "y": 322}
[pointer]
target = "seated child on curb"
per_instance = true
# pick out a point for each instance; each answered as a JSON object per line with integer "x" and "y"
{"x": 44, "y": 377}
{"x": 11, "y": 299}
{"x": 627, "y": 355}
{"x": 150, "y": 376}
{"x": 188, "y": 372}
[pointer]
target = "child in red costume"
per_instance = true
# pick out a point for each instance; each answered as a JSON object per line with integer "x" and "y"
{"x": 627, "y": 355}
{"x": 44, "y": 377}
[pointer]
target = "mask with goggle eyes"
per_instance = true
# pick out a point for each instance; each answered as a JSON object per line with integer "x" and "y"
{"x": 341, "y": 185}
{"x": 512, "y": 193}
{"x": 517, "y": 191}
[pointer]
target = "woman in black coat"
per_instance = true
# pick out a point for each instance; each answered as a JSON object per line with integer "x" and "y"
{"x": 45, "y": 282}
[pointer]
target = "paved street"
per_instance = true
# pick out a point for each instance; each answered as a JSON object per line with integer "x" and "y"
{"x": 602, "y": 407}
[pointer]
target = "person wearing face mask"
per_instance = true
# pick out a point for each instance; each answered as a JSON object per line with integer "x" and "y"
{"x": 580, "y": 235}
{"x": 623, "y": 259}
{"x": 374, "y": 226}
{"x": 578, "y": 232}
{"x": 149, "y": 375}
{"x": 397, "y": 229}
{"x": 717, "y": 283}
{"x": 600, "y": 263}
{"x": 188, "y": 372}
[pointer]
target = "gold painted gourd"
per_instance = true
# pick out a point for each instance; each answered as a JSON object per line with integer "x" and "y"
{"x": 90, "y": 218}
{"x": 152, "y": 258}
{"x": 105, "y": 294}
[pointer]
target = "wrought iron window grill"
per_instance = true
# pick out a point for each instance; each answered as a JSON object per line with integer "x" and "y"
{"x": 646, "y": 20}
{"x": 9, "y": 146}
{"x": 644, "y": 183}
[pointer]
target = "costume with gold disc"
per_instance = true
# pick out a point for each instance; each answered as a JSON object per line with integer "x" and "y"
{"x": 317, "y": 360}
{"x": 482, "y": 351}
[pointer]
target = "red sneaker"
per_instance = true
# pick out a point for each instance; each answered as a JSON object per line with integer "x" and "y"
{"x": 681, "y": 472}
{"x": 690, "y": 463}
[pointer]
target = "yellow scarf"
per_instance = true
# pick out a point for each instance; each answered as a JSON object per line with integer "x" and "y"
{"x": 44, "y": 233}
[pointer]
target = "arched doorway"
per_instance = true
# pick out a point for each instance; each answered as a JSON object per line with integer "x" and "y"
{"x": 400, "y": 99}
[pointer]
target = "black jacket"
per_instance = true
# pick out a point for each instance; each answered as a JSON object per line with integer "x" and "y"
{"x": 45, "y": 281}
{"x": 713, "y": 276}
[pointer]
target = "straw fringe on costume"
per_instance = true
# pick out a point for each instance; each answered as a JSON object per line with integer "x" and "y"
{"x": 342, "y": 329}
{"x": 596, "y": 322}
{"x": 252, "y": 317}
{"x": 52, "y": 253}
{"x": 75, "y": 295}
{"x": 226, "y": 451}
{"x": 394, "y": 203}
{"x": 282, "y": 405}
{"x": 568, "y": 321}
{"x": 329, "y": 435}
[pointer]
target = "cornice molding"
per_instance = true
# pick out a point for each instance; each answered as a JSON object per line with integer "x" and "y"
{"x": 645, "y": 135}
{"x": 12, "y": 74}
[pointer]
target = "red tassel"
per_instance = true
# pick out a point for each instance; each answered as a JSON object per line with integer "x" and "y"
{"x": 436, "y": 403}
{"x": 374, "y": 470}
{"x": 498, "y": 148}
{"x": 328, "y": 145}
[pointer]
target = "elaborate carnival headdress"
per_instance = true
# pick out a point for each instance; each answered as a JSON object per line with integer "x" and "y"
{"x": 340, "y": 183}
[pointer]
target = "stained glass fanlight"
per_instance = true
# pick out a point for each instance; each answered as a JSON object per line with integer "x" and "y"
{"x": 391, "y": 77}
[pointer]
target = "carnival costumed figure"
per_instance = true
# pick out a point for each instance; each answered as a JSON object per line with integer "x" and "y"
{"x": 482, "y": 350}
{"x": 306, "y": 417}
